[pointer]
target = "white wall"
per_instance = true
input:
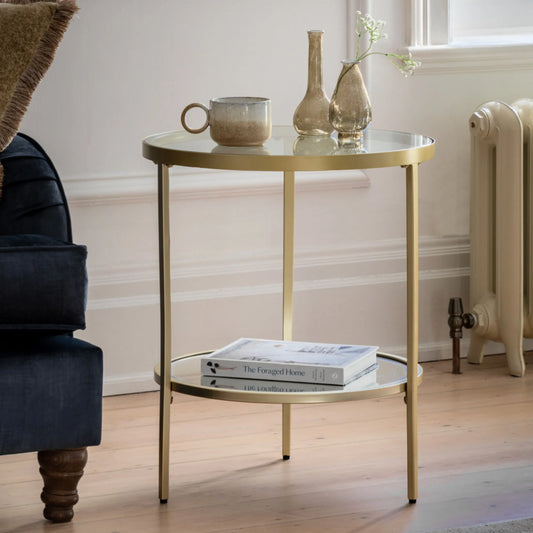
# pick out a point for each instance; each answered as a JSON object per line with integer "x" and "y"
{"x": 126, "y": 69}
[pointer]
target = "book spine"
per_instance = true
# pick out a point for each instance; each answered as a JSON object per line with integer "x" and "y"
{"x": 273, "y": 371}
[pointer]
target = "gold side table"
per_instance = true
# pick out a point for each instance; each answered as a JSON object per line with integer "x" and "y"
{"x": 285, "y": 153}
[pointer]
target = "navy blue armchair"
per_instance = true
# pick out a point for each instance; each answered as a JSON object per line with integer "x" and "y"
{"x": 50, "y": 382}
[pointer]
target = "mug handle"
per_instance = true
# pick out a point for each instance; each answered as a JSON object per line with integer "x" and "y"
{"x": 184, "y": 123}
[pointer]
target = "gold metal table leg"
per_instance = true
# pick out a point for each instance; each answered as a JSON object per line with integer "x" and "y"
{"x": 288, "y": 290}
{"x": 286, "y": 436}
{"x": 412, "y": 330}
{"x": 288, "y": 253}
{"x": 166, "y": 349}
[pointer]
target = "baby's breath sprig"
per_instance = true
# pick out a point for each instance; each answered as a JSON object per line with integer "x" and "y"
{"x": 374, "y": 30}
{"x": 404, "y": 63}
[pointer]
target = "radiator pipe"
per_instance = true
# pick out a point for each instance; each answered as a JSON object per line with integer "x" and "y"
{"x": 456, "y": 321}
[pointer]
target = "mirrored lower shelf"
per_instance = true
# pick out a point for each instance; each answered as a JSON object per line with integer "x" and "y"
{"x": 390, "y": 377}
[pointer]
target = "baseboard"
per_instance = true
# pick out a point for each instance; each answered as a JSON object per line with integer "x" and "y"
{"x": 130, "y": 384}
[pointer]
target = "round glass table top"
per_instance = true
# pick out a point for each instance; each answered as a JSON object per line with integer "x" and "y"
{"x": 390, "y": 377}
{"x": 286, "y": 151}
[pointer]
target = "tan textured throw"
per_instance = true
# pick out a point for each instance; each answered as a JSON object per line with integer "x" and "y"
{"x": 30, "y": 32}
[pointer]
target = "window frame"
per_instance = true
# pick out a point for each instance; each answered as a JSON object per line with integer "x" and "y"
{"x": 431, "y": 43}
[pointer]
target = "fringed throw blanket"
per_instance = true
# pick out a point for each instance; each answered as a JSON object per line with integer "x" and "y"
{"x": 30, "y": 32}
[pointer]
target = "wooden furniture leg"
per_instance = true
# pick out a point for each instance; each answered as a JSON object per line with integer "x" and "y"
{"x": 61, "y": 471}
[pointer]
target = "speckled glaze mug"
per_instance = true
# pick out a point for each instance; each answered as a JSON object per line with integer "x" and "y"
{"x": 235, "y": 120}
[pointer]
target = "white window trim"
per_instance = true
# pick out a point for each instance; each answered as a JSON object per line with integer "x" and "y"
{"x": 429, "y": 44}
{"x": 429, "y": 23}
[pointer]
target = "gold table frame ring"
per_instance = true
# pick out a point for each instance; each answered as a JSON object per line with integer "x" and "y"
{"x": 395, "y": 374}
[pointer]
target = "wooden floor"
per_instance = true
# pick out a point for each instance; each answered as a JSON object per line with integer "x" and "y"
{"x": 346, "y": 473}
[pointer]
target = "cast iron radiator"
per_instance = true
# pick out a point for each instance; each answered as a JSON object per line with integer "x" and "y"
{"x": 501, "y": 214}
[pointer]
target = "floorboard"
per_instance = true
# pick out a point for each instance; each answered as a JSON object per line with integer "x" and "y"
{"x": 347, "y": 471}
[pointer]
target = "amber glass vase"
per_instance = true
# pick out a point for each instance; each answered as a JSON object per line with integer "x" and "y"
{"x": 349, "y": 111}
{"x": 312, "y": 114}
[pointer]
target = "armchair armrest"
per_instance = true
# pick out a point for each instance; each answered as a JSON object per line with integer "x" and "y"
{"x": 43, "y": 284}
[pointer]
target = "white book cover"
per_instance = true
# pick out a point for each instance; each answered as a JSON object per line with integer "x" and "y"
{"x": 311, "y": 362}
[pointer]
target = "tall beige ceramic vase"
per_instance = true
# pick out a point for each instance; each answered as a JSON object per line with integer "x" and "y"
{"x": 312, "y": 114}
{"x": 350, "y": 112}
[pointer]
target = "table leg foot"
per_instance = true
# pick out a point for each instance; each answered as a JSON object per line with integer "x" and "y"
{"x": 412, "y": 501}
{"x": 286, "y": 457}
{"x": 163, "y": 501}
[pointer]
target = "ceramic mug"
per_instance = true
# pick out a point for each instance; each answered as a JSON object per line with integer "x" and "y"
{"x": 235, "y": 120}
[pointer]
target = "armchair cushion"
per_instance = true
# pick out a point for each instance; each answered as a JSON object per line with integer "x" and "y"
{"x": 50, "y": 393}
{"x": 44, "y": 284}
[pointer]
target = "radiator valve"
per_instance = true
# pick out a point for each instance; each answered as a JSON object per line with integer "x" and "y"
{"x": 457, "y": 320}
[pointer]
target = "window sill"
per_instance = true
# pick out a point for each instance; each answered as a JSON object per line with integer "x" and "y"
{"x": 473, "y": 57}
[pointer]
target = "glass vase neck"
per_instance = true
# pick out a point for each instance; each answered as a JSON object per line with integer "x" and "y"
{"x": 314, "y": 70}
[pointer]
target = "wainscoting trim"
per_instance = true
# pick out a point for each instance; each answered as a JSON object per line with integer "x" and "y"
{"x": 193, "y": 184}
{"x": 389, "y": 253}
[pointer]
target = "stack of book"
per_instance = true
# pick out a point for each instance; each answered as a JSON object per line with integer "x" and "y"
{"x": 289, "y": 366}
